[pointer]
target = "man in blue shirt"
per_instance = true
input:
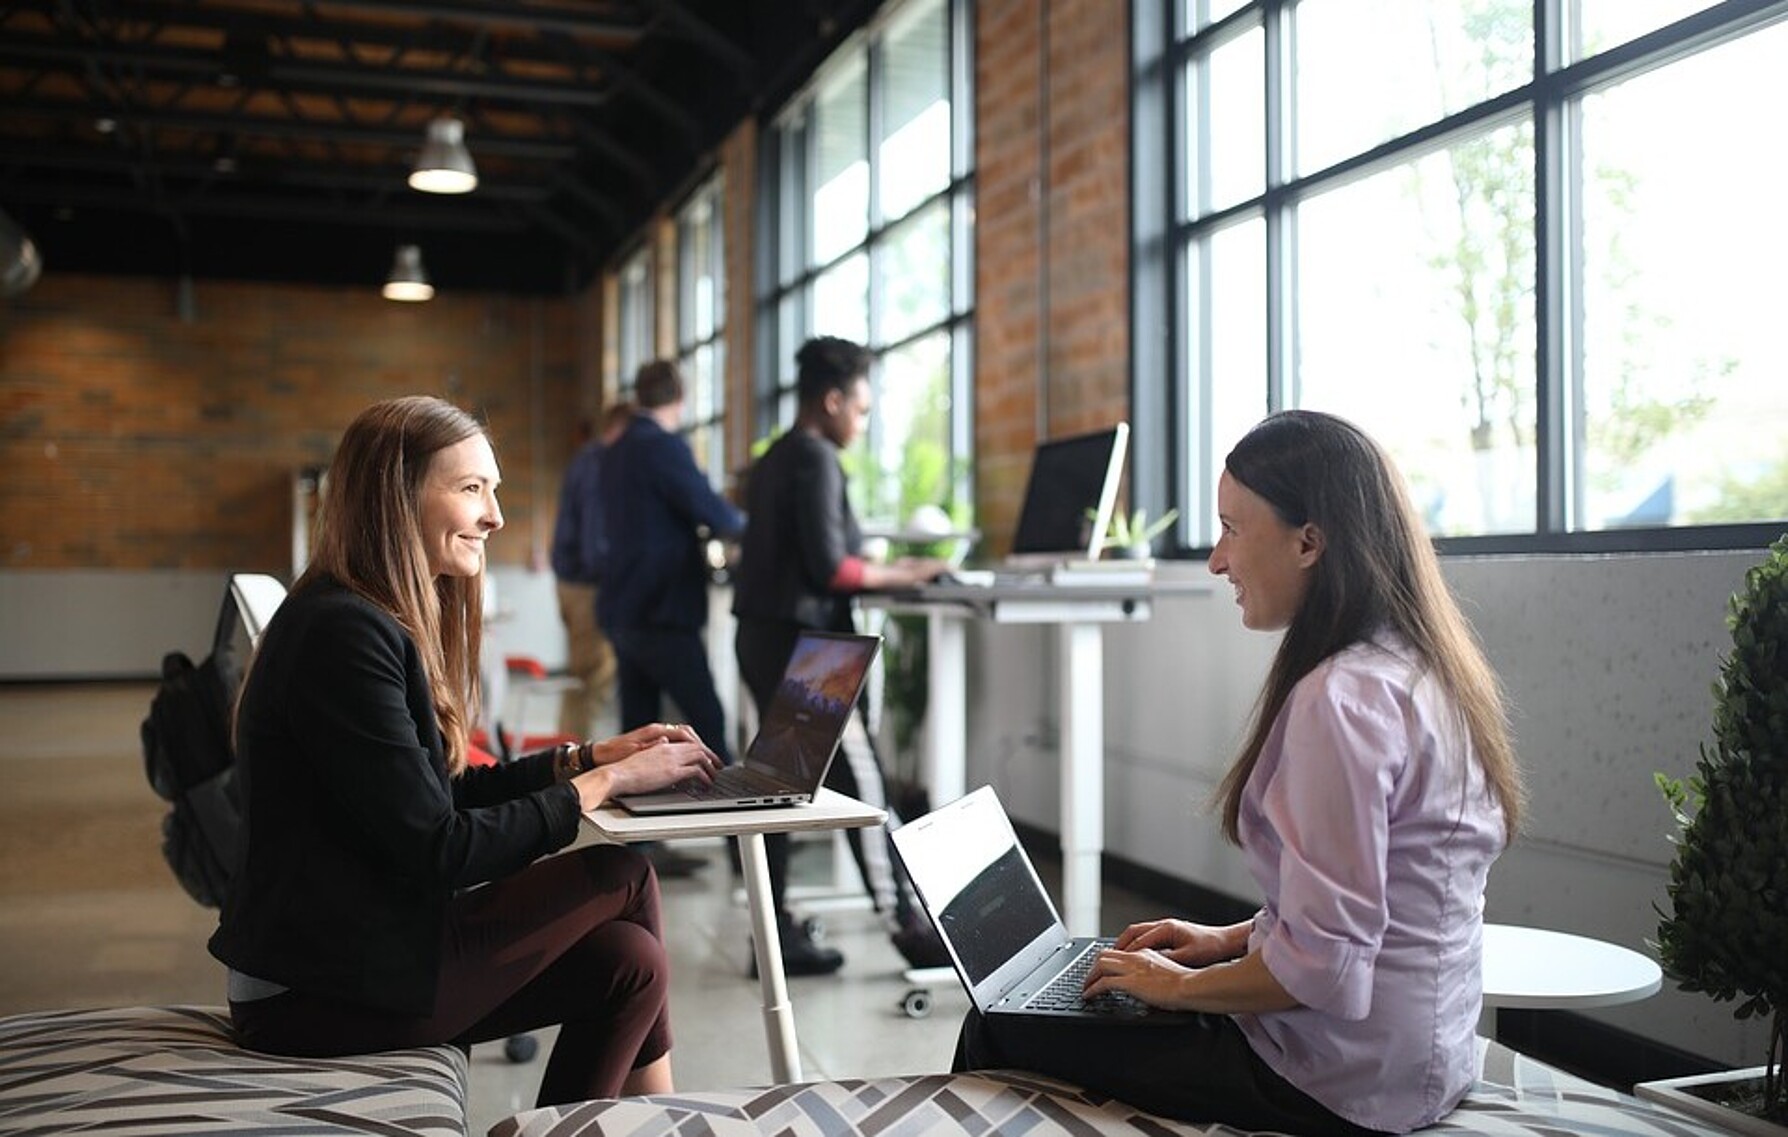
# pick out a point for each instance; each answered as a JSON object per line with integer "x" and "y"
{"x": 658, "y": 513}
{"x": 579, "y": 549}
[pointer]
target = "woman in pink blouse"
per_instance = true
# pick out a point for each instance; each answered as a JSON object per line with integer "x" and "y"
{"x": 1377, "y": 784}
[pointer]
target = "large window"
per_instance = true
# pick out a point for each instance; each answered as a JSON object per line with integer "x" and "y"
{"x": 867, "y": 189}
{"x": 634, "y": 342}
{"x": 1530, "y": 245}
{"x": 701, "y": 326}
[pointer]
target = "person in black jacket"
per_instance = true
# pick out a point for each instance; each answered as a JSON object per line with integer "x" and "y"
{"x": 385, "y": 894}
{"x": 799, "y": 565}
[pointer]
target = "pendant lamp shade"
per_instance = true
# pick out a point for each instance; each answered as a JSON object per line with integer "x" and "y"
{"x": 445, "y": 165}
{"x": 408, "y": 281}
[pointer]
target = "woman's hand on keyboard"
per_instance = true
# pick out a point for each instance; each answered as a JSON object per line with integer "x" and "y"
{"x": 1147, "y": 975}
{"x": 1195, "y": 945}
{"x": 652, "y": 766}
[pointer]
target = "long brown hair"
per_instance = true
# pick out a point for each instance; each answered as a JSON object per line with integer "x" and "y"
{"x": 369, "y": 538}
{"x": 1378, "y": 571}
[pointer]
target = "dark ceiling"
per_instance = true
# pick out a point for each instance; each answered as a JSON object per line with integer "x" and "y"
{"x": 271, "y": 140}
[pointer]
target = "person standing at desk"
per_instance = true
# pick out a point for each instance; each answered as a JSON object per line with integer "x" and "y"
{"x": 579, "y": 549}
{"x": 800, "y": 563}
{"x": 1377, "y": 785}
{"x": 658, "y": 509}
{"x": 385, "y": 895}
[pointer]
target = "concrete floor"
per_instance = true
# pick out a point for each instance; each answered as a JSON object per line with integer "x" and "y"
{"x": 91, "y": 916}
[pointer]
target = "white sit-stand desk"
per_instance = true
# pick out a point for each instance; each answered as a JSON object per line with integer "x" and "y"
{"x": 829, "y": 810}
{"x": 1079, "y": 613}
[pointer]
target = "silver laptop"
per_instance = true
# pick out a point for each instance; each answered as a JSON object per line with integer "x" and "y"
{"x": 1008, "y": 946}
{"x": 787, "y": 761}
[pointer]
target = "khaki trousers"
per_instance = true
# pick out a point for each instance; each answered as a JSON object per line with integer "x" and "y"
{"x": 590, "y": 660}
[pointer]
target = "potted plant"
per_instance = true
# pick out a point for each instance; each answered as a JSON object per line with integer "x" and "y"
{"x": 1130, "y": 534}
{"x": 1726, "y": 931}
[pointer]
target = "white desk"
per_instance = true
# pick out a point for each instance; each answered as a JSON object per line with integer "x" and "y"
{"x": 829, "y": 810}
{"x": 1079, "y": 613}
{"x": 1538, "y": 969}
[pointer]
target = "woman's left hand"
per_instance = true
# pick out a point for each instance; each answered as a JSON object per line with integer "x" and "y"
{"x": 1147, "y": 974}
{"x": 626, "y": 745}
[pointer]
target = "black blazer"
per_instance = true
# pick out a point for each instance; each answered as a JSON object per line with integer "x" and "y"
{"x": 354, "y": 838}
{"x": 802, "y": 529}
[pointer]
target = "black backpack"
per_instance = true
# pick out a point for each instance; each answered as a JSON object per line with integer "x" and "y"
{"x": 191, "y": 762}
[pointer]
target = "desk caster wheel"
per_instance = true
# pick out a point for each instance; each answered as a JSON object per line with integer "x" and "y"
{"x": 519, "y": 1048}
{"x": 916, "y": 1003}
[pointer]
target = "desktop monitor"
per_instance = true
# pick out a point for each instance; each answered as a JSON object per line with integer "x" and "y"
{"x": 1069, "y": 477}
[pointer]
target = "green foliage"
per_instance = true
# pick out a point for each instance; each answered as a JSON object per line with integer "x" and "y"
{"x": 1134, "y": 528}
{"x": 1762, "y": 497}
{"x": 1726, "y": 933}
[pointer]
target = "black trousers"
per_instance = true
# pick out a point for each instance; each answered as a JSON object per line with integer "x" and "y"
{"x": 655, "y": 662}
{"x": 1202, "y": 1072}
{"x": 573, "y": 940}
{"x": 763, "y": 649}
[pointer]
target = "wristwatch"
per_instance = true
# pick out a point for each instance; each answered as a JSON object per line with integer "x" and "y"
{"x": 573, "y": 759}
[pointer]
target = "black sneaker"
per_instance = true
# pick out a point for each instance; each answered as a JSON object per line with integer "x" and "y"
{"x": 800, "y": 954}
{"x": 919, "y": 945}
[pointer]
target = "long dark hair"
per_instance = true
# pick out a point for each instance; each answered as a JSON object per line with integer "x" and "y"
{"x": 1377, "y": 572}
{"x": 369, "y": 538}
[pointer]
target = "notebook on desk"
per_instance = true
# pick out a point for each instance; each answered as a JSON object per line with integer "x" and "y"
{"x": 1006, "y": 942}
{"x": 786, "y": 763}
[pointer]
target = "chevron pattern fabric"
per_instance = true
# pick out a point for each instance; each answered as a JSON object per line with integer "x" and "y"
{"x": 176, "y": 1071}
{"x": 1515, "y": 1097}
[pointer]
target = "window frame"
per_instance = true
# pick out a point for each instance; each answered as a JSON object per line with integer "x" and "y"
{"x": 1166, "y": 464}
{"x": 786, "y": 272}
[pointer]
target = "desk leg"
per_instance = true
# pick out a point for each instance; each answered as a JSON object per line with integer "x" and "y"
{"x": 1082, "y": 700}
{"x": 779, "y": 1017}
{"x": 947, "y": 715}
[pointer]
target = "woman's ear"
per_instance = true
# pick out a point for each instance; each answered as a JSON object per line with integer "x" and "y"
{"x": 1311, "y": 543}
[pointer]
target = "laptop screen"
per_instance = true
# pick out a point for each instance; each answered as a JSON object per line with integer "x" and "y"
{"x": 1069, "y": 477}
{"x": 972, "y": 875}
{"x": 808, "y": 713}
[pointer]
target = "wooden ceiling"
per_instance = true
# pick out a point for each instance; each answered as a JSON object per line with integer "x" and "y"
{"x": 259, "y": 139}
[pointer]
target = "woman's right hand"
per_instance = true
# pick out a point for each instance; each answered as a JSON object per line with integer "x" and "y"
{"x": 1194, "y": 945}
{"x": 652, "y": 767}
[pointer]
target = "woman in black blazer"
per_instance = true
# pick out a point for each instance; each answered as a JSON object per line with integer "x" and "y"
{"x": 386, "y": 895}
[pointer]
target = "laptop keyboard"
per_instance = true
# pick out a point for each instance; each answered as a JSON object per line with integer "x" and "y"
{"x": 1064, "y": 991}
{"x": 733, "y": 781}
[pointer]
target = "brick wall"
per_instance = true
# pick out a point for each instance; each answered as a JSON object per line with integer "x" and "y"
{"x": 1052, "y": 234}
{"x": 147, "y": 442}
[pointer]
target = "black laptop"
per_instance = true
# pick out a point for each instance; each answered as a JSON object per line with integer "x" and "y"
{"x": 1005, "y": 940}
{"x": 787, "y": 761}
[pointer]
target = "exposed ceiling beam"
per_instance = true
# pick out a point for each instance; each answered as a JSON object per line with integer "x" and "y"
{"x": 343, "y": 79}
{"x": 200, "y": 168}
{"x": 305, "y": 22}
{"x": 287, "y": 209}
{"x": 503, "y": 14}
{"x": 307, "y": 129}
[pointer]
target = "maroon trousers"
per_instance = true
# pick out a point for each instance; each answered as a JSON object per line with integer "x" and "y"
{"x": 574, "y": 940}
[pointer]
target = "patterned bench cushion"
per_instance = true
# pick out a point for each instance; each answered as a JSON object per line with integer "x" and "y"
{"x": 1515, "y": 1097}
{"x": 175, "y": 1070}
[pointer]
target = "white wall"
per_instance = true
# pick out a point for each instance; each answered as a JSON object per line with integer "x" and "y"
{"x": 1608, "y": 663}
{"x": 98, "y": 624}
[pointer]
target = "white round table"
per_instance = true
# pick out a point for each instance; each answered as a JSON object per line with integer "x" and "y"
{"x": 1539, "y": 969}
